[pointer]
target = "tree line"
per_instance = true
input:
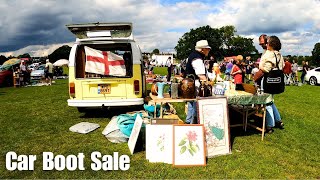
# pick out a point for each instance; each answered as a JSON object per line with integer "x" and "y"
{"x": 224, "y": 42}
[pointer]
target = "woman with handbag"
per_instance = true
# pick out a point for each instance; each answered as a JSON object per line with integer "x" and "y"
{"x": 270, "y": 60}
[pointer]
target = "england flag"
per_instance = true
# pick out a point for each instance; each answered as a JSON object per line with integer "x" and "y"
{"x": 104, "y": 62}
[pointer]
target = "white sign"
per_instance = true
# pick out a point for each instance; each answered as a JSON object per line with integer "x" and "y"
{"x": 135, "y": 133}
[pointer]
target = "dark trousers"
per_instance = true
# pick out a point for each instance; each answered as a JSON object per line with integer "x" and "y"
{"x": 169, "y": 73}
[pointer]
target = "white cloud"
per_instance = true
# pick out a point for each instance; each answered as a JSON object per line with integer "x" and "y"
{"x": 158, "y": 25}
{"x": 37, "y": 50}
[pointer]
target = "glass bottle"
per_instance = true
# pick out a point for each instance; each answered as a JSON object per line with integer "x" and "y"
{"x": 174, "y": 89}
{"x": 203, "y": 89}
{"x": 209, "y": 88}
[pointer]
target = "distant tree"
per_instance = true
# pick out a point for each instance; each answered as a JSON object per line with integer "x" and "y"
{"x": 187, "y": 42}
{"x": 315, "y": 55}
{"x": 10, "y": 57}
{"x": 223, "y": 42}
{"x": 60, "y": 53}
{"x": 240, "y": 45}
{"x": 156, "y": 51}
{"x": 25, "y": 55}
{"x": 300, "y": 59}
{"x": 309, "y": 59}
{"x": 227, "y": 33}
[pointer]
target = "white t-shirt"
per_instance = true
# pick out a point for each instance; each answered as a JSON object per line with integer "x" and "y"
{"x": 22, "y": 67}
{"x": 254, "y": 70}
{"x": 168, "y": 62}
{"x": 199, "y": 68}
{"x": 50, "y": 67}
{"x": 268, "y": 61}
{"x": 294, "y": 68}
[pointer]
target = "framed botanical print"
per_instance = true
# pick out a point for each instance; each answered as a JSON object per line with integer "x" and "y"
{"x": 213, "y": 114}
{"x": 159, "y": 143}
{"x": 189, "y": 145}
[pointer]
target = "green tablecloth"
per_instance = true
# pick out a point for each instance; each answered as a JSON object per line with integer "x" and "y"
{"x": 248, "y": 99}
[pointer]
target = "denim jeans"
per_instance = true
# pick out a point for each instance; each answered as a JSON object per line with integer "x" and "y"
{"x": 272, "y": 115}
{"x": 302, "y": 77}
{"x": 192, "y": 113}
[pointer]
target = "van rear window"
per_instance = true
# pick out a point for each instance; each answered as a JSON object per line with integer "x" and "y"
{"x": 104, "y": 61}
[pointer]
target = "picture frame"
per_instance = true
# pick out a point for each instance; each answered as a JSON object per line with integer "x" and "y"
{"x": 135, "y": 133}
{"x": 189, "y": 145}
{"x": 159, "y": 143}
{"x": 213, "y": 114}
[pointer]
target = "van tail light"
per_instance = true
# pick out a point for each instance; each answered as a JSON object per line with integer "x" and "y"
{"x": 72, "y": 89}
{"x": 136, "y": 87}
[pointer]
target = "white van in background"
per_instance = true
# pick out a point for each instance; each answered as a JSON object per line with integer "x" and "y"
{"x": 160, "y": 59}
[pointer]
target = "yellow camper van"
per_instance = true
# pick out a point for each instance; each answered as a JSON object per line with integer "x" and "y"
{"x": 105, "y": 66}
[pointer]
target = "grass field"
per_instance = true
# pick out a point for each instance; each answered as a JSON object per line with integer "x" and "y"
{"x": 37, "y": 119}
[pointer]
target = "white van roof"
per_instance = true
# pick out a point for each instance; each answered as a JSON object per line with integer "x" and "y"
{"x": 120, "y": 30}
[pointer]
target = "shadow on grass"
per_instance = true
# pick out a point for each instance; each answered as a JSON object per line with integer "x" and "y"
{"x": 236, "y": 118}
{"x": 108, "y": 112}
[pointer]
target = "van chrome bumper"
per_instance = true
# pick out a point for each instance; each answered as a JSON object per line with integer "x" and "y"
{"x": 99, "y": 103}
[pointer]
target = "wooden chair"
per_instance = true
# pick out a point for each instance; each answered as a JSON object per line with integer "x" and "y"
{"x": 257, "y": 110}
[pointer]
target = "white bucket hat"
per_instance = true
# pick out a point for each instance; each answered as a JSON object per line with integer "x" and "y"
{"x": 202, "y": 44}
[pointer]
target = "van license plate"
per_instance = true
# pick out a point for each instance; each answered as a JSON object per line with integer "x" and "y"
{"x": 104, "y": 89}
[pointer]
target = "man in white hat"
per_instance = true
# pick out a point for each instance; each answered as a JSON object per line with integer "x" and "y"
{"x": 195, "y": 66}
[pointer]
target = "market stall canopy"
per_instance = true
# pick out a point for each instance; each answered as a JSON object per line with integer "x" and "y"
{"x": 13, "y": 61}
{"x": 5, "y": 67}
{"x": 25, "y": 59}
{"x": 61, "y": 62}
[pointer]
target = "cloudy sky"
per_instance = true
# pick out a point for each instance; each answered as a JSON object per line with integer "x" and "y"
{"x": 38, "y": 26}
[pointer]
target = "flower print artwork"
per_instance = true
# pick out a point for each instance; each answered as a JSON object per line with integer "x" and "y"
{"x": 160, "y": 142}
{"x": 188, "y": 143}
{"x": 213, "y": 114}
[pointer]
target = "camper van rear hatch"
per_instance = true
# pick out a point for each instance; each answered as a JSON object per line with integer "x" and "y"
{"x": 90, "y": 30}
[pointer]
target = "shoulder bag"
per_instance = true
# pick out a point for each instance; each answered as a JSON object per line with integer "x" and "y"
{"x": 273, "y": 82}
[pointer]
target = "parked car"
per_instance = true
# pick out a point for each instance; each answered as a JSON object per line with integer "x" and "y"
{"x": 313, "y": 76}
{"x": 38, "y": 73}
{"x": 31, "y": 67}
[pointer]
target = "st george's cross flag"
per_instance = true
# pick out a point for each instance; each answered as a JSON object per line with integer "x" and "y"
{"x": 104, "y": 62}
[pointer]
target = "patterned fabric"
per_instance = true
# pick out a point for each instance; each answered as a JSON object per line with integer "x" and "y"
{"x": 244, "y": 98}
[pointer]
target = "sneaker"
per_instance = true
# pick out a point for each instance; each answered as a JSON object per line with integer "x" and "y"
{"x": 269, "y": 130}
{"x": 280, "y": 125}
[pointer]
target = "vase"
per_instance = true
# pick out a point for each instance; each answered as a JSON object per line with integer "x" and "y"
{"x": 174, "y": 90}
{"x": 160, "y": 86}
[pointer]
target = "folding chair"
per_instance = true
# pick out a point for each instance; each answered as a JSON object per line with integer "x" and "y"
{"x": 253, "y": 109}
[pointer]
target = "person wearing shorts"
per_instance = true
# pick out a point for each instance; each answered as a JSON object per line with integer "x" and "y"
{"x": 49, "y": 72}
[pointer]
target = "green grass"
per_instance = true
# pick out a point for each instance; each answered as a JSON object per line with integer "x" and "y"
{"x": 65, "y": 69}
{"x": 37, "y": 119}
